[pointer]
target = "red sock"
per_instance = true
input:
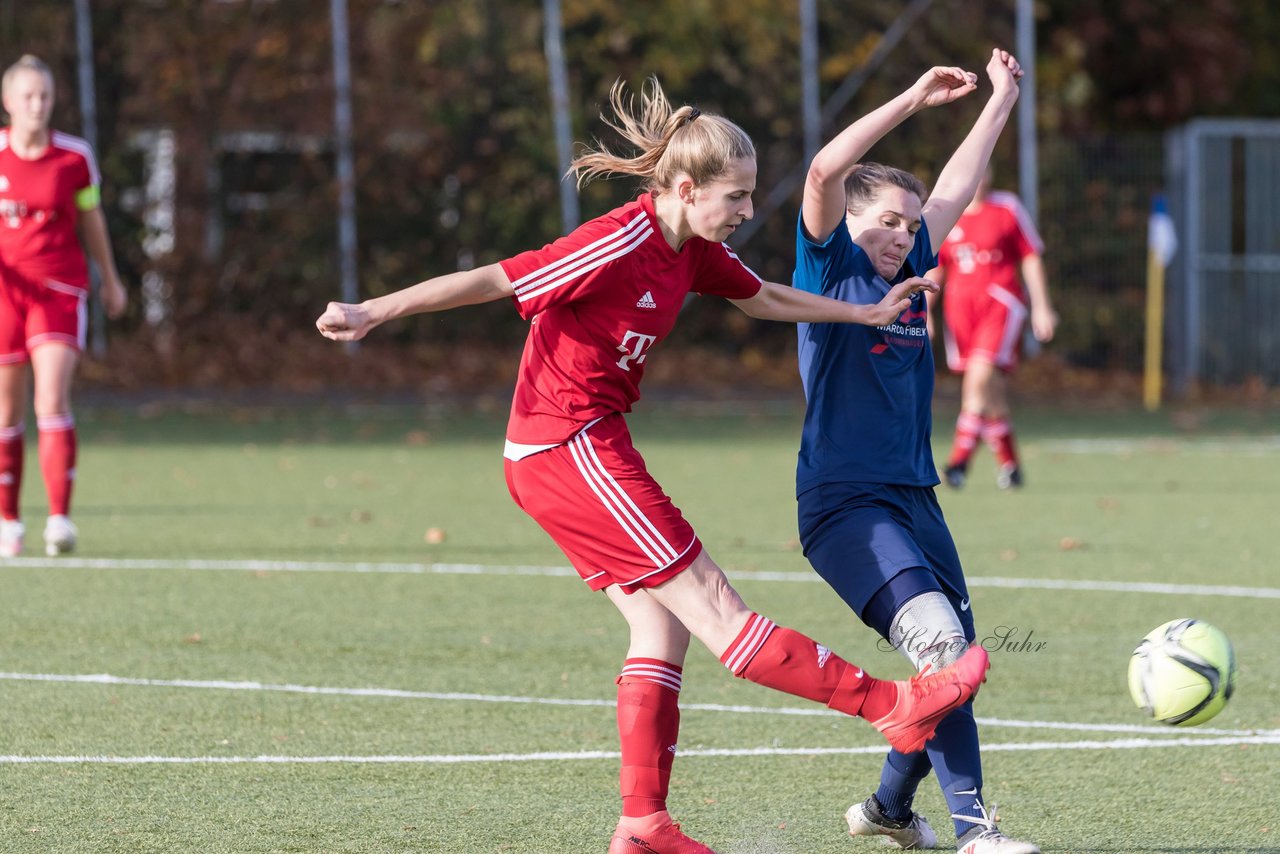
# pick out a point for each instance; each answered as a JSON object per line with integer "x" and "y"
{"x": 998, "y": 434}
{"x": 10, "y": 470}
{"x": 787, "y": 661}
{"x": 58, "y": 459}
{"x": 648, "y": 723}
{"x": 968, "y": 429}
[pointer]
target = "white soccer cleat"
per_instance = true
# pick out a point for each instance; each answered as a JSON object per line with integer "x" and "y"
{"x": 59, "y": 536}
{"x": 11, "y": 533}
{"x": 1009, "y": 476}
{"x": 986, "y": 838}
{"x": 866, "y": 819}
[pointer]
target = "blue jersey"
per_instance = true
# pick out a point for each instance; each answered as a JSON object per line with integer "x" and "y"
{"x": 869, "y": 390}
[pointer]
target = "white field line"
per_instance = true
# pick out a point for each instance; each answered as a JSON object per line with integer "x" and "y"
{"x": 564, "y": 571}
{"x": 394, "y": 693}
{"x": 447, "y": 759}
{"x": 1260, "y": 447}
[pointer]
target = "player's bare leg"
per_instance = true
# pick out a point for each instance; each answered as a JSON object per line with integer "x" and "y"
{"x": 984, "y": 415}
{"x": 983, "y": 390}
{"x": 755, "y": 648}
{"x": 989, "y": 396}
{"x": 53, "y": 366}
{"x": 13, "y": 395}
{"x": 655, "y": 631}
{"x": 648, "y": 726}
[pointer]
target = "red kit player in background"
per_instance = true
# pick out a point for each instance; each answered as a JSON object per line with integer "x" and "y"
{"x": 598, "y": 302}
{"x": 984, "y": 308}
{"x": 48, "y": 186}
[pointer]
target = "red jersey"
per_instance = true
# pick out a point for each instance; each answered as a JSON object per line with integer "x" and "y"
{"x": 38, "y": 209}
{"x": 598, "y": 300}
{"x": 987, "y": 246}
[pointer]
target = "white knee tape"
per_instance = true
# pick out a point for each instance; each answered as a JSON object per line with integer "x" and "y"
{"x": 927, "y": 631}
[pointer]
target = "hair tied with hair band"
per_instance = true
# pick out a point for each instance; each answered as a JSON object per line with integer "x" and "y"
{"x": 694, "y": 112}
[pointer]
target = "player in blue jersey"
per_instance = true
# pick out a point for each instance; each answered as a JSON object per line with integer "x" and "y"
{"x": 869, "y": 520}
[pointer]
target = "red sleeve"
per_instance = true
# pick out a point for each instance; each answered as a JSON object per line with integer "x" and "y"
{"x": 723, "y": 274}
{"x": 563, "y": 271}
{"x": 1024, "y": 244}
{"x": 86, "y": 173}
{"x": 1025, "y": 238}
{"x": 83, "y": 162}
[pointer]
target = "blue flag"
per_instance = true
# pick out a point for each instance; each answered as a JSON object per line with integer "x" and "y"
{"x": 1162, "y": 236}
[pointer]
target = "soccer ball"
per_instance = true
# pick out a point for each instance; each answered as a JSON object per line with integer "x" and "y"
{"x": 1183, "y": 672}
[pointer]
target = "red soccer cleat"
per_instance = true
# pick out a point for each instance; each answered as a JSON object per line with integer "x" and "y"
{"x": 926, "y": 699}
{"x": 653, "y": 834}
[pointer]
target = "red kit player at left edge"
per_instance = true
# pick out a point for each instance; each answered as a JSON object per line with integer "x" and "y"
{"x": 49, "y": 191}
{"x": 598, "y": 302}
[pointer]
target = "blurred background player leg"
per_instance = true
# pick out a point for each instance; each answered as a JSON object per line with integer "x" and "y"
{"x": 986, "y": 399}
{"x": 12, "y": 395}
{"x": 53, "y": 365}
{"x": 968, "y": 433}
{"x": 984, "y": 414}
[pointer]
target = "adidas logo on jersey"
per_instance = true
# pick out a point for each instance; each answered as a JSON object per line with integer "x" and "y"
{"x": 824, "y": 655}
{"x": 646, "y": 301}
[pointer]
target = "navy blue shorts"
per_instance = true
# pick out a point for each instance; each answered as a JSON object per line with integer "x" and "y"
{"x": 861, "y": 536}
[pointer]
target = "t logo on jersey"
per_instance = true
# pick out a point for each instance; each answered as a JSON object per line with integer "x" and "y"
{"x": 634, "y": 345}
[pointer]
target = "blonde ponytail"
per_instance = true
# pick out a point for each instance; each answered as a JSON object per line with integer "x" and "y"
{"x": 669, "y": 141}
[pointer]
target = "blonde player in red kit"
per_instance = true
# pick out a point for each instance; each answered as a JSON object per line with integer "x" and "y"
{"x": 48, "y": 186}
{"x": 990, "y": 254}
{"x": 598, "y": 302}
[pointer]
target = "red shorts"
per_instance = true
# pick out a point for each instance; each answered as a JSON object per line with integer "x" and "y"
{"x": 603, "y": 509}
{"x": 39, "y": 312}
{"x": 984, "y": 326}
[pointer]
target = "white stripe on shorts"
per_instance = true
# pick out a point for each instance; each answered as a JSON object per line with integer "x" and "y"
{"x": 1012, "y": 327}
{"x": 641, "y": 531}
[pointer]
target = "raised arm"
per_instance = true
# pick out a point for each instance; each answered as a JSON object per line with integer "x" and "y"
{"x": 938, "y": 276}
{"x": 824, "y": 198}
{"x": 352, "y": 321}
{"x": 959, "y": 179}
{"x": 779, "y": 302}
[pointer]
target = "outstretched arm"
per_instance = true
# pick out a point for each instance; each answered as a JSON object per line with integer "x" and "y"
{"x": 959, "y": 179}
{"x": 352, "y": 321}
{"x": 779, "y": 302}
{"x": 824, "y": 200}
